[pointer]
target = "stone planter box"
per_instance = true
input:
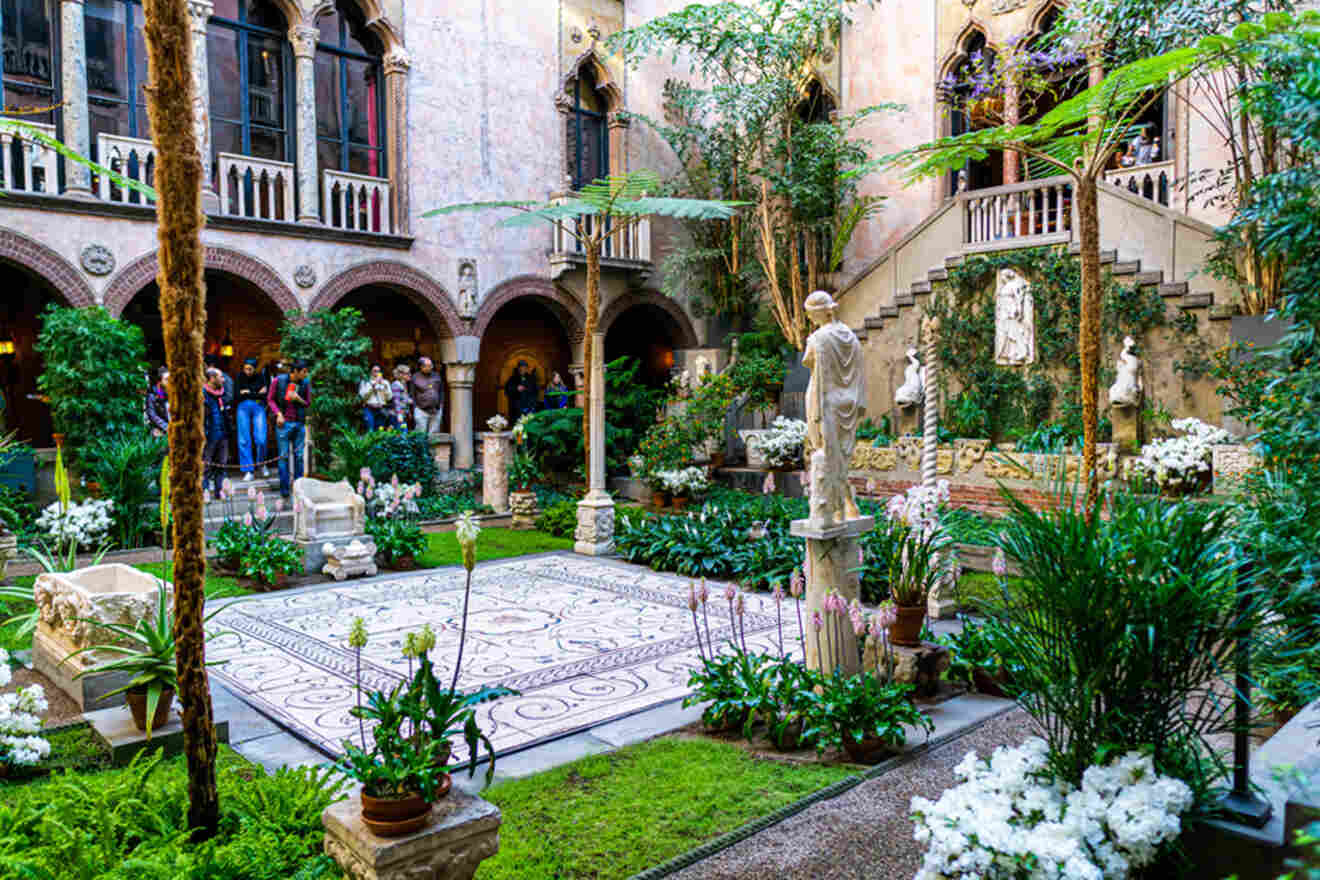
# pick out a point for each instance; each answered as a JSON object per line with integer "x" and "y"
{"x": 113, "y": 593}
{"x": 523, "y": 507}
{"x": 751, "y": 438}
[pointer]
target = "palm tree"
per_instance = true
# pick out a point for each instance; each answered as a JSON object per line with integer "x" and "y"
{"x": 603, "y": 209}
{"x": 183, "y": 317}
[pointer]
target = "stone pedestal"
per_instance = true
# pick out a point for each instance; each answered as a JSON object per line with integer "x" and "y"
{"x": 442, "y": 450}
{"x": 831, "y": 564}
{"x": 921, "y": 666}
{"x": 1127, "y": 428}
{"x": 941, "y": 602}
{"x": 463, "y": 831}
{"x": 8, "y": 550}
{"x": 116, "y": 727}
{"x": 595, "y": 528}
{"x": 523, "y": 506}
{"x": 354, "y": 558}
{"x": 908, "y": 421}
{"x": 496, "y": 450}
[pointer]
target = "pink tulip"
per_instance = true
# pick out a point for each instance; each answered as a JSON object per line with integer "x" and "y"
{"x": 817, "y": 621}
{"x": 729, "y": 592}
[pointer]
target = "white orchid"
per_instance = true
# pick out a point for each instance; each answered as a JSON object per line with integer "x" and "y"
{"x": 781, "y": 445}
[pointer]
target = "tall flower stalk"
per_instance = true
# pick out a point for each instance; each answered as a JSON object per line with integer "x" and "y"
{"x": 778, "y": 595}
{"x": 467, "y": 531}
{"x": 357, "y": 640}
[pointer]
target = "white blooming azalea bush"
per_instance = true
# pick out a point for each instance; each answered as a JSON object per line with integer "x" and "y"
{"x": 86, "y": 522}
{"x": 497, "y": 423}
{"x": 1010, "y": 818}
{"x": 782, "y": 444}
{"x": 685, "y": 482}
{"x": 1180, "y": 464}
{"x": 20, "y": 722}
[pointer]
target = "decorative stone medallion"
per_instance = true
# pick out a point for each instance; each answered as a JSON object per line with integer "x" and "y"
{"x": 304, "y": 276}
{"x": 97, "y": 259}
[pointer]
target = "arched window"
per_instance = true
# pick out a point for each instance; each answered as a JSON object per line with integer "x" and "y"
{"x": 29, "y": 55}
{"x": 588, "y": 135}
{"x": 350, "y": 105}
{"x": 248, "y": 52}
{"x": 116, "y": 69}
{"x": 977, "y": 173}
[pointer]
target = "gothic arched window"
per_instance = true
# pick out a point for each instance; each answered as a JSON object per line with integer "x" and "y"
{"x": 350, "y": 100}
{"x": 588, "y": 135}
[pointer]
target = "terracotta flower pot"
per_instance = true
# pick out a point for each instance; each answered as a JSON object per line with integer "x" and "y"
{"x": 680, "y": 502}
{"x": 659, "y": 500}
{"x": 906, "y": 630}
{"x": 789, "y": 738}
{"x": 989, "y": 683}
{"x": 137, "y": 704}
{"x": 275, "y": 583}
{"x": 407, "y": 562}
{"x": 870, "y": 750}
{"x": 395, "y": 817}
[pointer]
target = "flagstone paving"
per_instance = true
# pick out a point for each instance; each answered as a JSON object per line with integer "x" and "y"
{"x": 584, "y": 641}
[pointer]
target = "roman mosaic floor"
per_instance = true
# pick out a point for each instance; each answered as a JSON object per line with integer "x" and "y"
{"x": 583, "y": 640}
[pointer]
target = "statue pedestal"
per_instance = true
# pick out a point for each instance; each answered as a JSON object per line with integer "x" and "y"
{"x": 908, "y": 423}
{"x": 1127, "y": 428}
{"x": 941, "y": 603}
{"x": 831, "y": 564}
{"x": 496, "y": 450}
{"x": 595, "y": 528}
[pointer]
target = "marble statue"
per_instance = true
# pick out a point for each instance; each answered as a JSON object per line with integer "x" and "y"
{"x": 910, "y": 392}
{"x": 1015, "y": 320}
{"x": 467, "y": 291}
{"x": 836, "y": 402}
{"x": 1126, "y": 390}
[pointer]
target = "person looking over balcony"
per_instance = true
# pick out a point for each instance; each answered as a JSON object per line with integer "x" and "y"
{"x": 376, "y": 396}
{"x": 556, "y": 393}
{"x": 250, "y": 391}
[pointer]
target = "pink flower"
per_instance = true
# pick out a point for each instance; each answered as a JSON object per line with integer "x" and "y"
{"x": 796, "y": 583}
{"x": 739, "y": 605}
{"x": 360, "y": 487}
{"x": 227, "y": 487}
{"x": 875, "y": 627}
{"x": 692, "y": 596}
{"x": 1000, "y": 565}
{"x": 858, "y": 624}
{"x": 817, "y": 621}
{"x": 729, "y": 593}
{"x": 768, "y": 484}
{"x": 365, "y": 475}
{"x": 252, "y": 492}
{"x": 262, "y": 512}
{"x": 887, "y": 614}
{"x": 394, "y": 481}
{"x": 247, "y": 518}
{"x": 861, "y": 556}
{"x": 703, "y": 594}
{"x": 279, "y": 504}
{"x": 777, "y": 593}
{"x": 297, "y": 506}
{"x": 369, "y": 492}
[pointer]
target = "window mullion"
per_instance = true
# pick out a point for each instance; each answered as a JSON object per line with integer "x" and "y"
{"x": 245, "y": 100}
{"x": 130, "y": 69}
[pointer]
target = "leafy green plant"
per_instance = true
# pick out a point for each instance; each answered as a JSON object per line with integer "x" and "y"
{"x": 877, "y": 436}
{"x": 666, "y": 446}
{"x": 146, "y": 652}
{"x": 127, "y": 466}
{"x": 734, "y": 687}
{"x": 333, "y": 344}
{"x": 265, "y": 560}
{"x": 524, "y": 472}
{"x": 350, "y": 452}
{"x": 559, "y": 520}
{"x": 232, "y": 540}
{"x": 396, "y": 538}
{"x": 398, "y": 765}
{"x": 405, "y": 454}
{"x": 855, "y": 708}
{"x": 94, "y": 373}
{"x": 707, "y": 408}
{"x": 448, "y": 506}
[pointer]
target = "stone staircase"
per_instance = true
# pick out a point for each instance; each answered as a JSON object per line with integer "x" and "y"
{"x": 1125, "y": 271}
{"x": 217, "y": 512}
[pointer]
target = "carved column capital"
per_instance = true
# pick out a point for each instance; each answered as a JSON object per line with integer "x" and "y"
{"x": 199, "y": 12}
{"x": 397, "y": 60}
{"x": 304, "y": 37}
{"x": 619, "y": 119}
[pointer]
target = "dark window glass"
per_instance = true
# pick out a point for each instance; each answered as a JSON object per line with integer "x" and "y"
{"x": 588, "y": 133}
{"x": 28, "y": 58}
{"x": 249, "y": 80}
{"x": 116, "y": 68}
{"x": 350, "y": 118}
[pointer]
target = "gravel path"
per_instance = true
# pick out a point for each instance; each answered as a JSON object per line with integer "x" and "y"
{"x": 864, "y": 834}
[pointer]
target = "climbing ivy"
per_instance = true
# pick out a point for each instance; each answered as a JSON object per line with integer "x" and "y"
{"x": 1001, "y": 402}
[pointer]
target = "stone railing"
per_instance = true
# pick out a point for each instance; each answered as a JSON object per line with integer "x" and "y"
{"x": 29, "y": 165}
{"x": 258, "y": 188}
{"x": 1153, "y": 181}
{"x": 631, "y": 243}
{"x": 1018, "y": 215}
{"x": 134, "y": 158}
{"x": 356, "y": 202}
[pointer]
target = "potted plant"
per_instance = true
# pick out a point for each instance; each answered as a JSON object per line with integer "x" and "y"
{"x": 915, "y": 540}
{"x": 231, "y": 541}
{"x": 636, "y": 467}
{"x": 720, "y": 682}
{"x": 399, "y": 541}
{"x": 860, "y": 715}
{"x": 270, "y": 562}
{"x": 524, "y": 473}
{"x": 147, "y": 654}
{"x": 975, "y": 659}
{"x": 791, "y": 683}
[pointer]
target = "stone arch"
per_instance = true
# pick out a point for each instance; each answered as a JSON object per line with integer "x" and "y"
{"x": 377, "y": 21}
{"x": 565, "y": 306}
{"x": 413, "y": 283}
{"x": 142, "y": 271}
{"x": 958, "y": 53}
{"x": 820, "y": 81}
{"x": 1039, "y": 19}
{"x": 604, "y": 82}
{"x": 685, "y": 335}
{"x": 61, "y": 275}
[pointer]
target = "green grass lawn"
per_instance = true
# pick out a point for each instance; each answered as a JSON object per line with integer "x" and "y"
{"x": 494, "y": 543}
{"x": 978, "y": 588}
{"x": 612, "y": 815}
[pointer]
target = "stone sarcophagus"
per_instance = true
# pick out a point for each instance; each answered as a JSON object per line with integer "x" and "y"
{"x": 73, "y": 608}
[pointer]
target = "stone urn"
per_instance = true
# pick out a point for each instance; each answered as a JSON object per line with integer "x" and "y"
{"x": 755, "y": 455}
{"x": 523, "y": 506}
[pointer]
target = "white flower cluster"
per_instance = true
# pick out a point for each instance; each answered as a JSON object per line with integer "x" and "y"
{"x": 1176, "y": 462}
{"x": 497, "y": 423}
{"x": 687, "y": 481}
{"x": 390, "y": 499}
{"x": 520, "y": 428}
{"x": 919, "y": 506}
{"x": 86, "y": 522}
{"x": 1008, "y": 813}
{"x": 782, "y": 444}
{"x": 19, "y": 722}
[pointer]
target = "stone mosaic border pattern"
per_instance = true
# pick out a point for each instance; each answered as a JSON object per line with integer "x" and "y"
{"x": 304, "y": 680}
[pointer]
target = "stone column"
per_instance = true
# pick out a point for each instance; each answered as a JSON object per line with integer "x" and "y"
{"x": 303, "y": 38}
{"x": 76, "y": 128}
{"x": 199, "y": 11}
{"x": 578, "y": 373}
{"x": 397, "y": 63}
{"x": 496, "y": 450}
{"x": 595, "y": 529}
{"x": 461, "y": 377}
{"x": 1012, "y": 115}
{"x": 831, "y": 564}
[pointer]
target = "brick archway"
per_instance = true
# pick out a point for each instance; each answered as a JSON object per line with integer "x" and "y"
{"x": 416, "y": 285}
{"x": 61, "y": 275}
{"x": 142, "y": 271}
{"x": 685, "y": 336}
{"x": 565, "y": 306}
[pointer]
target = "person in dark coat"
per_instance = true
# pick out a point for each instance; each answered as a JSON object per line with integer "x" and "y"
{"x": 216, "y": 453}
{"x": 522, "y": 392}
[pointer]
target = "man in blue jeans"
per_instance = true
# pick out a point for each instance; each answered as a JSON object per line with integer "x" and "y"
{"x": 251, "y": 392}
{"x": 288, "y": 398}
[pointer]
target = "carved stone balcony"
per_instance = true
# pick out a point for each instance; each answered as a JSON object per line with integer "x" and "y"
{"x": 627, "y": 247}
{"x": 356, "y": 202}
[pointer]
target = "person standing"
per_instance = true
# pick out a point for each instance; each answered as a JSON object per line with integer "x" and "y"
{"x": 428, "y": 397}
{"x": 401, "y": 403}
{"x": 521, "y": 391}
{"x": 250, "y": 392}
{"x": 288, "y": 398}
{"x": 158, "y": 405}
{"x": 556, "y": 393}
{"x": 216, "y": 452}
{"x": 376, "y": 395}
